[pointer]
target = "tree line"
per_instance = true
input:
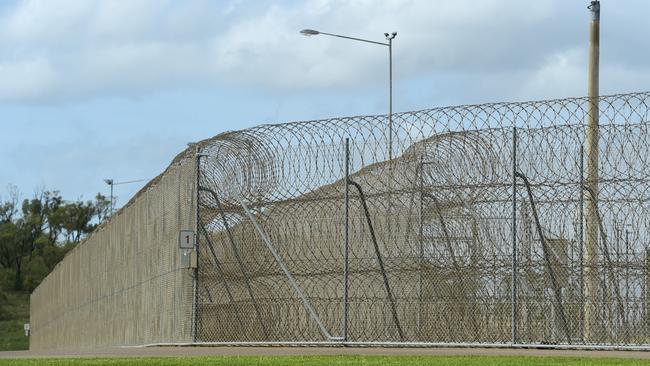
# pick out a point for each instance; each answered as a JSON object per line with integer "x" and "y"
{"x": 37, "y": 232}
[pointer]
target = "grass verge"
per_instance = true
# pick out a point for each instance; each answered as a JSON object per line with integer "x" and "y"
{"x": 14, "y": 312}
{"x": 329, "y": 360}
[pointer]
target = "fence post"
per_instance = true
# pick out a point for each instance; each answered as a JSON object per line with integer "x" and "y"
{"x": 420, "y": 243}
{"x": 646, "y": 289}
{"x": 195, "y": 279}
{"x": 346, "y": 247}
{"x": 514, "y": 236}
{"x": 581, "y": 233}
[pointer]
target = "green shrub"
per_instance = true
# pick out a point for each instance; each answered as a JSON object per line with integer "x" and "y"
{"x": 34, "y": 272}
{"x": 4, "y": 312}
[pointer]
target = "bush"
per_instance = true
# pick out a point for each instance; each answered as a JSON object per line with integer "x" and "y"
{"x": 4, "y": 311}
{"x": 33, "y": 273}
{"x": 53, "y": 254}
{"x": 6, "y": 278}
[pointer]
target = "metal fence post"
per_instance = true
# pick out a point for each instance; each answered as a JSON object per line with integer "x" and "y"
{"x": 514, "y": 236}
{"x": 420, "y": 244}
{"x": 346, "y": 247}
{"x": 195, "y": 279}
{"x": 646, "y": 288}
{"x": 581, "y": 234}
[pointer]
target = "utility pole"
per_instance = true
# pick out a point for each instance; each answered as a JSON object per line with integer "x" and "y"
{"x": 591, "y": 191}
{"x": 389, "y": 38}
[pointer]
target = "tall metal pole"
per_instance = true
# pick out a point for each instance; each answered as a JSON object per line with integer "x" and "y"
{"x": 390, "y": 97}
{"x": 391, "y": 174}
{"x": 346, "y": 248}
{"x": 112, "y": 207}
{"x": 389, "y": 38}
{"x": 591, "y": 214}
{"x": 514, "y": 236}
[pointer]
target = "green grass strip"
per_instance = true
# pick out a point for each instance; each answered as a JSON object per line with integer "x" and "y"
{"x": 328, "y": 360}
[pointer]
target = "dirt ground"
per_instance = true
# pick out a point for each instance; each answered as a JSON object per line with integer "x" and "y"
{"x": 289, "y": 351}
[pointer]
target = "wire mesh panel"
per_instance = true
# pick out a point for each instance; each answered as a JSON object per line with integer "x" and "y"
{"x": 124, "y": 285}
{"x": 483, "y": 225}
{"x": 430, "y": 228}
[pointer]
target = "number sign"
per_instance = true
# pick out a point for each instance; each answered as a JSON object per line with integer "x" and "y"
{"x": 186, "y": 239}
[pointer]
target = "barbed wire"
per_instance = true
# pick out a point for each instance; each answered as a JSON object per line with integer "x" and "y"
{"x": 430, "y": 230}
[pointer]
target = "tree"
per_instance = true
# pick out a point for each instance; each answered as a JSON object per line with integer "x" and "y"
{"x": 3, "y": 300}
{"x": 8, "y": 246}
{"x": 54, "y": 215}
{"x": 8, "y": 210}
{"x": 102, "y": 207}
{"x": 34, "y": 238}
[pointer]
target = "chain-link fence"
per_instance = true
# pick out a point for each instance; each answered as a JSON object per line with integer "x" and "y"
{"x": 125, "y": 284}
{"x": 315, "y": 231}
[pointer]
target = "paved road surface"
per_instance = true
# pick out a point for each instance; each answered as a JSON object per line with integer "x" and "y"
{"x": 277, "y": 351}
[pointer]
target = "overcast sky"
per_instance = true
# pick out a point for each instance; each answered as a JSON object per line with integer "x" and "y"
{"x": 94, "y": 89}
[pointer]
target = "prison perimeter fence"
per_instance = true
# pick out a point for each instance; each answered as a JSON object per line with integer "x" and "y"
{"x": 124, "y": 285}
{"x": 503, "y": 223}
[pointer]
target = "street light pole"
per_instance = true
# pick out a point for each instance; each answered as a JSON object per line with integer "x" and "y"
{"x": 389, "y": 38}
{"x": 112, "y": 183}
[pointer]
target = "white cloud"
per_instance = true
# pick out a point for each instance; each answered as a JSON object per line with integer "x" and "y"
{"x": 69, "y": 49}
{"x": 440, "y": 36}
{"x": 563, "y": 74}
{"x": 37, "y": 21}
{"x": 26, "y": 80}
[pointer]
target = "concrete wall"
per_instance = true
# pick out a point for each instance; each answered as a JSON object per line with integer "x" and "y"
{"x": 124, "y": 284}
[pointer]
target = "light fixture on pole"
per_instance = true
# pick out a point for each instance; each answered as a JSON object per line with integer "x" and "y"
{"x": 389, "y": 44}
{"x": 112, "y": 183}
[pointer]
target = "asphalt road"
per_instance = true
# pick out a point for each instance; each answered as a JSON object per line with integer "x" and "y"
{"x": 295, "y": 351}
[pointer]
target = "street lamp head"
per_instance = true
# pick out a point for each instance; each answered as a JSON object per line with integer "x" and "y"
{"x": 390, "y": 36}
{"x": 309, "y": 32}
{"x": 108, "y": 181}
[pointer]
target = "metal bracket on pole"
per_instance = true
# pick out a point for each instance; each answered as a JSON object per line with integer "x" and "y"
{"x": 278, "y": 258}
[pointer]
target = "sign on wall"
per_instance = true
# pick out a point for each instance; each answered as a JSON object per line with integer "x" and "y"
{"x": 186, "y": 239}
